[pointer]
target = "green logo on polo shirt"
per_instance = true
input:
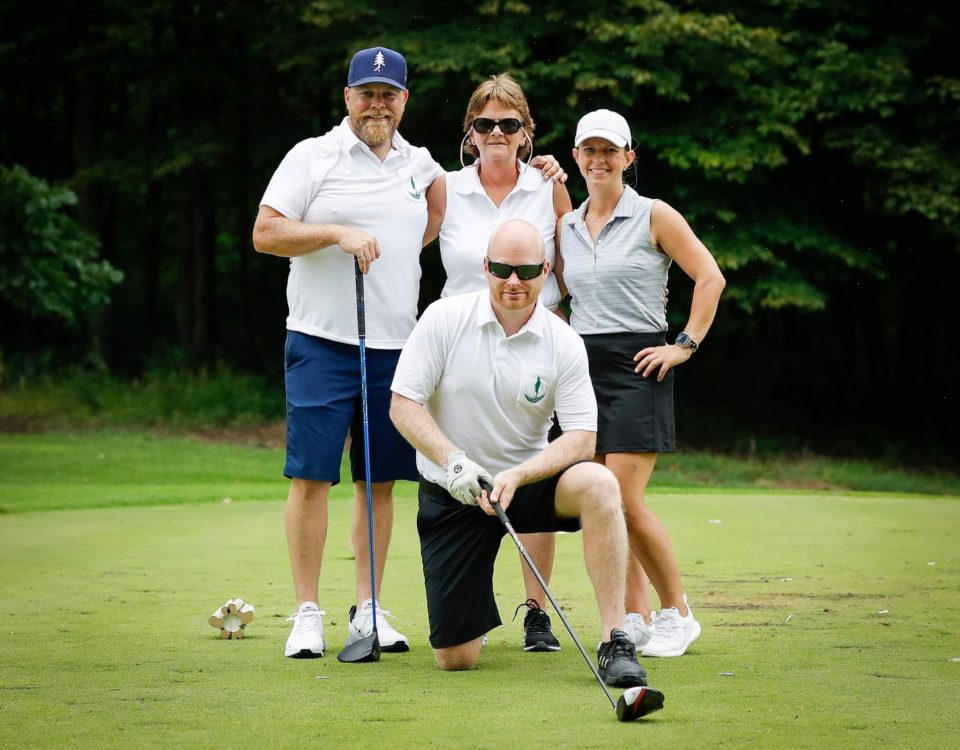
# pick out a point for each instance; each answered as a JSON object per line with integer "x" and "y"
{"x": 413, "y": 192}
{"x": 536, "y": 397}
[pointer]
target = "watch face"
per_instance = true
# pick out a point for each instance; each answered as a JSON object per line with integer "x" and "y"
{"x": 685, "y": 341}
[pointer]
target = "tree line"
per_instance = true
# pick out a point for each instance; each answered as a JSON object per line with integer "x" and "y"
{"x": 813, "y": 146}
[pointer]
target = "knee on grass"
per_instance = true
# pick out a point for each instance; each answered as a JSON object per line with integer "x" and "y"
{"x": 458, "y": 658}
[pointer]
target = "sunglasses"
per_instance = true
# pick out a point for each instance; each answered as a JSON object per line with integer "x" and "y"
{"x": 508, "y": 125}
{"x": 524, "y": 273}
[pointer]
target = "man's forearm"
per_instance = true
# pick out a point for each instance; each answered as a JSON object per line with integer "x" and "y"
{"x": 420, "y": 429}
{"x": 568, "y": 449}
{"x": 278, "y": 235}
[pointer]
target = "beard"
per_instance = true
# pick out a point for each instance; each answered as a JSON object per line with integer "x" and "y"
{"x": 376, "y": 133}
{"x": 527, "y": 297}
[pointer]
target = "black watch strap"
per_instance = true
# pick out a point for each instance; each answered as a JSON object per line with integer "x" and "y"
{"x": 684, "y": 340}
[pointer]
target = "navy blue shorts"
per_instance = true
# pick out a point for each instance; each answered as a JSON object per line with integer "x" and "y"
{"x": 324, "y": 403}
{"x": 459, "y": 545}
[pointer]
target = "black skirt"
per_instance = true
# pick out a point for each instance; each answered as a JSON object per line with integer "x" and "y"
{"x": 634, "y": 413}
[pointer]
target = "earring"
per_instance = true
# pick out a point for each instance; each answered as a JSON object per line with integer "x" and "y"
{"x": 462, "y": 144}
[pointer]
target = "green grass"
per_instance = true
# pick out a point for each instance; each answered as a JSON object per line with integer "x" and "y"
{"x": 836, "y": 615}
{"x": 52, "y": 471}
{"x": 102, "y": 469}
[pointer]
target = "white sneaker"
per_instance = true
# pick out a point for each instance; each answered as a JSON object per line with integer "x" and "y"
{"x": 638, "y": 630}
{"x": 361, "y": 626}
{"x": 672, "y": 634}
{"x": 306, "y": 636}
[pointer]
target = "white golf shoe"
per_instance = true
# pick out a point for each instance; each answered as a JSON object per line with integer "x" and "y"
{"x": 361, "y": 626}
{"x": 306, "y": 636}
{"x": 672, "y": 634}
{"x": 638, "y": 630}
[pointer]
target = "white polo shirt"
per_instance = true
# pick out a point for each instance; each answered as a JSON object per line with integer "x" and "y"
{"x": 491, "y": 395}
{"x": 336, "y": 179}
{"x": 471, "y": 217}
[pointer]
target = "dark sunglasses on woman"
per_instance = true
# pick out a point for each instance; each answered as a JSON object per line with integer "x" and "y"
{"x": 508, "y": 125}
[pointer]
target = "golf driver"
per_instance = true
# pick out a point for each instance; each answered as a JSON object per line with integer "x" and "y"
{"x": 636, "y": 701}
{"x": 366, "y": 649}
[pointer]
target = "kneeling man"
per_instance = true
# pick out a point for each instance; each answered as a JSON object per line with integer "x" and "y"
{"x": 474, "y": 392}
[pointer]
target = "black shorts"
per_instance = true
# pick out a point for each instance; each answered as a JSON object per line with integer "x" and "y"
{"x": 634, "y": 413}
{"x": 459, "y": 545}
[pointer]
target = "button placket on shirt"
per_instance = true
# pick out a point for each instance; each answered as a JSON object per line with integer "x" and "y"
{"x": 581, "y": 231}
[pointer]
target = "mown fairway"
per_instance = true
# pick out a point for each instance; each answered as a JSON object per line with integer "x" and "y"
{"x": 828, "y": 620}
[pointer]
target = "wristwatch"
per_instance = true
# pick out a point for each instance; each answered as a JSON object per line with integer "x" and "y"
{"x": 684, "y": 340}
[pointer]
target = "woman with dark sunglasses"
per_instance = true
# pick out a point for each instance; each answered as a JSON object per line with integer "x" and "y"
{"x": 502, "y": 183}
{"x": 615, "y": 251}
{"x": 466, "y": 206}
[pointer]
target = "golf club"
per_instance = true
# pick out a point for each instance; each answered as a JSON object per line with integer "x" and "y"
{"x": 366, "y": 649}
{"x": 635, "y": 702}
{"x": 638, "y": 701}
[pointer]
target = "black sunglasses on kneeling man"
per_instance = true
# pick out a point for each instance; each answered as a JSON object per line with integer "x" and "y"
{"x": 524, "y": 273}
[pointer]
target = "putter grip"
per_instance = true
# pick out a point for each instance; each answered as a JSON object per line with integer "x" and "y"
{"x": 361, "y": 313}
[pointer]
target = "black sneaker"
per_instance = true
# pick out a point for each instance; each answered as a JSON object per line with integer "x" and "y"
{"x": 617, "y": 660}
{"x": 537, "y": 635}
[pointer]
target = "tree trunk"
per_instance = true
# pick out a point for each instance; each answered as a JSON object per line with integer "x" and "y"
{"x": 197, "y": 256}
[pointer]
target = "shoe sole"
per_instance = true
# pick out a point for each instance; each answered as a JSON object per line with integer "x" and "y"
{"x": 626, "y": 681}
{"x": 396, "y": 648}
{"x": 540, "y": 646}
{"x": 304, "y": 653}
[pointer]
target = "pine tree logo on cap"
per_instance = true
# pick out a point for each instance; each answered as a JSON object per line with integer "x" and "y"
{"x": 378, "y": 65}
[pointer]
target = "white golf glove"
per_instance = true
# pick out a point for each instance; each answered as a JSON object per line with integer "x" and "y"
{"x": 463, "y": 477}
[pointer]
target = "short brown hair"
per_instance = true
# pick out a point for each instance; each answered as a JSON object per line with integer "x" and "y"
{"x": 505, "y": 90}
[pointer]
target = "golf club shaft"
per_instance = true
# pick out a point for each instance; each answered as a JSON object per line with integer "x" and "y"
{"x": 362, "y": 336}
{"x": 502, "y": 515}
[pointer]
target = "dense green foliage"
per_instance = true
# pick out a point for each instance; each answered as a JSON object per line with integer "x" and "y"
{"x": 50, "y": 266}
{"x": 216, "y": 397}
{"x": 813, "y": 145}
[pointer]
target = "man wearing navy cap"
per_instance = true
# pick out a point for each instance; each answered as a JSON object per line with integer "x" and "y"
{"x": 358, "y": 191}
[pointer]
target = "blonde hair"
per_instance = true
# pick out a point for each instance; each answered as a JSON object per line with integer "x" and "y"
{"x": 506, "y": 91}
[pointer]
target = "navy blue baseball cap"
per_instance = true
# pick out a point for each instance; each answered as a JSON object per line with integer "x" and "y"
{"x": 378, "y": 65}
